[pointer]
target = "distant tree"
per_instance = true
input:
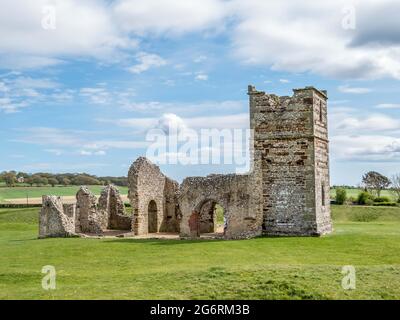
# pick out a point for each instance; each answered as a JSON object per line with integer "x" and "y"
{"x": 85, "y": 180}
{"x": 36, "y": 179}
{"x": 66, "y": 181}
{"x": 45, "y": 181}
{"x": 42, "y": 178}
{"x": 10, "y": 178}
{"x": 22, "y": 175}
{"x": 118, "y": 181}
{"x": 53, "y": 181}
{"x": 341, "y": 195}
{"x": 365, "y": 198}
{"x": 29, "y": 180}
{"x": 375, "y": 182}
{"x": 396, "y": 186}
{"x": 39, "y": 180}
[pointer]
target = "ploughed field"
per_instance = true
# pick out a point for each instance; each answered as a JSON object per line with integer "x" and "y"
{"x": 367, "y": 238}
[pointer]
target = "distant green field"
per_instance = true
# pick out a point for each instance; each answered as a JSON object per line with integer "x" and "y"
{"x": 35, "y": 192}
{"x": 367, "y": 238}
{"x": 354, "y": 193}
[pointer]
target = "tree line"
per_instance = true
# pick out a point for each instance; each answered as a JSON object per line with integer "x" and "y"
{"x": 372, "y": 183}
{"x": 13, "y": 178}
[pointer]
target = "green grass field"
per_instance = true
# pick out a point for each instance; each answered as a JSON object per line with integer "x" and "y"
{"x": 261, "y": 268}
{"x": 35, "y": 192}
{"x": 354, "y": 193}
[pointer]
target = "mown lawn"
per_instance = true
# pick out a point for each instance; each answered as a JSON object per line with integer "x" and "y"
{"x": 35, "y": 192}
{"x": 262, "y": 268}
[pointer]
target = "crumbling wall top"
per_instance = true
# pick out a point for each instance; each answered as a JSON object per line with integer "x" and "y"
{"x": 252, "y": 91}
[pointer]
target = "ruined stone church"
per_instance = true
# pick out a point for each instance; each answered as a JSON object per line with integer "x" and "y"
{"x": 286, "y": 192}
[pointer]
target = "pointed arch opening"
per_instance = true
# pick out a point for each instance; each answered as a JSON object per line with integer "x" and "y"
{"x": 152, "y": 217}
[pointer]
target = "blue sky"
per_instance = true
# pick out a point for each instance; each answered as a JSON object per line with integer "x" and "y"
{"x": 80, "y": 92}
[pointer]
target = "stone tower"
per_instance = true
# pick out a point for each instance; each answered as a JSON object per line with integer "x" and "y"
{"x": 291, "y": 138}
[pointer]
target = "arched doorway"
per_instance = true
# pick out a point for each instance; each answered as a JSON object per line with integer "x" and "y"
{"x": 211, "y": 218}
{"x": 152, "y": 217}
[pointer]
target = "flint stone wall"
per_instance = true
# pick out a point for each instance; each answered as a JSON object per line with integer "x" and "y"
{"x": 147, "y": 183}
{"x": 56, "y": 220}
{"x": 291, "y": 135}
{"x": 88, "y": 218}
{"x": 237, "y": 194}
{"x": 111, "y": 206}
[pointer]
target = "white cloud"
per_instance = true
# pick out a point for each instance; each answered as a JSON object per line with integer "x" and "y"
{"x": 201, "y": 77}
{"x": 169, "y": 82}
{"x": 137, "y": 123}
{"x": 116, "y": 144}
{"x": 335, "y": 102}
{"x": 370, "y": 138}
{"x": 307, "y": 36}
{"x": 354, "y": 90}
{"x": 86, "y": 141}
{"x": 20, "y": 61}
{"x": 56, "y": 152}
{"x": 92, "y": 153}
{"x": 147, "y": 61}
{"x": 7, "y": 105}
{"x": 200, "y": 59}
{"x": 18, "y": 91}
{"x": 296, "y": 37}
{"x": 24, "y": 82}
{"x": 147, "y": 106}
{"x": 62, "y": 96}
{"x": 284, "y": 80}
{"x": 50, "y": 136}
{"x": 83, "y": 28}
{"x": 85, "y": 153}
{"x": 371, "y": 123}
{"x": 97, "y": 95}
{"x": 388, "y": 106}
{"x": 234, "y": 121}
{"x": 103, "y": 95}
{"x": 374, "y": 148}
{"x": 157, "y": 107}
{"x": 172, "y": 17}
{"x": 171, "y": 122}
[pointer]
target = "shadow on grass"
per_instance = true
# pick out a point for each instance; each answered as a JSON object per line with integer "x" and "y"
{"x": 23, "y": 240}
{"x": 163, "y": 242}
